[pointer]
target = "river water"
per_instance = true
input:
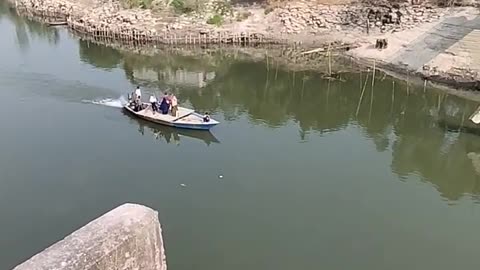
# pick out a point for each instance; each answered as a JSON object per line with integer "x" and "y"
{"x": 311, "y": 179}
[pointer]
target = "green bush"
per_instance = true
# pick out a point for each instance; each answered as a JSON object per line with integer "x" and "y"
{"x": 216, "y": 19}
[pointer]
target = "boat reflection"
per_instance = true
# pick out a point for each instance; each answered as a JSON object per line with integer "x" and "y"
{"x": 170, "y": 134}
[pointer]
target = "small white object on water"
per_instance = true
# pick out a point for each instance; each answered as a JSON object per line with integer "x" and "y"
{"x": 220, "y": 176}
{"x": 183, "y": 185}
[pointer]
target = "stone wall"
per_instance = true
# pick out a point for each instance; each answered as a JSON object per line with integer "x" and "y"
{"x": 128, "y": 237}
{"x": 308, "y": 16}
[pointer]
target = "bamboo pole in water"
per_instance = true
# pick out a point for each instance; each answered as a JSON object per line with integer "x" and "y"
{"x": 265, "y": 90}
{"x": 294, "y": 78}
{"x": 408, "y": 84}
{"x": 463, "y": 114}
{"x": 329, "y": 61}
{"x": 371, "y": 105}
{"x": 361, "y": 96}
{"x": 361, "y": 79}
{"x": 393, "y": 95}
{"x": 424, "y": 86}
{"x": 373, "y": 78}
{"x": 266, "y": 56}
{"x": 328, "y": 92}
{"x": 439, "y": 101}
{"x": 276, "y": 70}
{"x": 371, "y": 94}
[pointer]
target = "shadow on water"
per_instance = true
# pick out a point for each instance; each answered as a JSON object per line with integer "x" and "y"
{"x": 169, "y": 134}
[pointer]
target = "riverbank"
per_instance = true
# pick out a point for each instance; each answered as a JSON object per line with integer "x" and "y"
{"x": 432, "y": 43}
{"x": 443, "y": 52}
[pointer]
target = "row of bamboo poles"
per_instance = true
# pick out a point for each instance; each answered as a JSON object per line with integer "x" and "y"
{"x": 144, "y": 36}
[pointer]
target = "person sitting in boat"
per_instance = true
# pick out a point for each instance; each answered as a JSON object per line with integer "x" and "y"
{"x": 164, "y": 106}
{"x": 206, "y": 117}
{"x": 174, "y": 105}
{"x": 153, "y": 102}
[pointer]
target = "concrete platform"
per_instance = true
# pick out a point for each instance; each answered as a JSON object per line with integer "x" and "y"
{"x": 128, "y": 237}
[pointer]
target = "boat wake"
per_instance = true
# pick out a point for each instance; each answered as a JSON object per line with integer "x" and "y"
{"x": 116, "y": 103}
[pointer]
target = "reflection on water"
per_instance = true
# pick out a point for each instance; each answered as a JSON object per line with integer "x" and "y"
{"x": 302, "y": 156}
{"x": 25, "y": 30}
{"x": 417, "y": 126}
{"x": 169, "y": 134}
{"x": 99, "y": 56}
{"x": 395, "y": 116}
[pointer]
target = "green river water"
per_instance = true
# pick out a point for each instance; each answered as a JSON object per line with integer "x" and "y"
{"x": 308, "y": 183}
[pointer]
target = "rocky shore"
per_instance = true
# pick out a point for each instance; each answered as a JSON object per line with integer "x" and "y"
{"x": 309, "y": 23}
{"x": 312, "y": 17}
{"x": 281, "y": 24}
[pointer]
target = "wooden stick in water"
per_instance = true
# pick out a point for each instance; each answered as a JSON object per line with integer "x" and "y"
{"x": 329, "y": 61}
{"x": 266, "y": 56}
{"x": 361, "y": 83}
{"x": 373, "y": 78}
{"x": 276, "y": 70}
{"x": 361, "y": 96}
{"x": 393, "y": 94}
{"x": 408, "y": 84}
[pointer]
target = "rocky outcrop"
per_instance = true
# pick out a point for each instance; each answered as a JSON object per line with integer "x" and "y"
{"x": 307, "y": 16}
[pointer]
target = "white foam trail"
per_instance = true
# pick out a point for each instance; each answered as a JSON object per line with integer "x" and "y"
{"x": 117, "y": 103}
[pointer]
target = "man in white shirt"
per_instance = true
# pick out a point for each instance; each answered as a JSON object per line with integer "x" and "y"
{"x": 153, "y": 102}
{"x": 138, "y": 93}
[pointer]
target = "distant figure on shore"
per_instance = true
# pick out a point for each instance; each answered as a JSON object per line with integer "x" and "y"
{"x": 174, "y": 104}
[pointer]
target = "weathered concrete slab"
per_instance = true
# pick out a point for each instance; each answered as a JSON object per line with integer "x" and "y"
{"x": 126, "y": 238}
{"x": 436, "y": 41}
{"x": 464, "y": 54}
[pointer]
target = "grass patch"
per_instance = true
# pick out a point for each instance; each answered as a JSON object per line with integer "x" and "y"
{"x": 216, "y": 19}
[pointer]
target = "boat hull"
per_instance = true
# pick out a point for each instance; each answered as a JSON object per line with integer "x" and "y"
{"x": 194, "y": 126}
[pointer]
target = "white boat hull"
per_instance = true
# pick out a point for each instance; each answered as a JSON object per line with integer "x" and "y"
{"x": 186, "y": 118}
